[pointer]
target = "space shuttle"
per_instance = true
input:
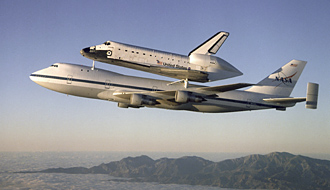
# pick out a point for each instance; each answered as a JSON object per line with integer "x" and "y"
{"x": 199, "y": 66}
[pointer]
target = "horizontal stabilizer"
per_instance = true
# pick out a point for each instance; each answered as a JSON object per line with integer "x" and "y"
{"x": 311, "y": 98}
{"x": 284, "y": 100}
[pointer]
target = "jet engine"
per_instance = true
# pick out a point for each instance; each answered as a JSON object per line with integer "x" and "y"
{"x": 184, "y": 97}
{"x": 124, "y": 105}
{"x": 138, "y": 100}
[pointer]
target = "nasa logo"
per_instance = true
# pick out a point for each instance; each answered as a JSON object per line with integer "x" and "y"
{"x": 285, "y": 79}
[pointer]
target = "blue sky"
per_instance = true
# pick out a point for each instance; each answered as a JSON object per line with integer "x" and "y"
{"x": 264, "y": 35}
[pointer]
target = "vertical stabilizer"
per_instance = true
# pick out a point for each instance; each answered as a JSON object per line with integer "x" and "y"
{"x": 312, "y": 95}
{"x": 212, "y": 45}
{"x": 282, "y": 81}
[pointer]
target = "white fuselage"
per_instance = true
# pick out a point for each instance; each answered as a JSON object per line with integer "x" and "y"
{"x": 195, "y": 67}
{"x": 82, "y": 81}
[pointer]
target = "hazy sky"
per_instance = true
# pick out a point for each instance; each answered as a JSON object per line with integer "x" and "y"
{"x": 264, "y": 35}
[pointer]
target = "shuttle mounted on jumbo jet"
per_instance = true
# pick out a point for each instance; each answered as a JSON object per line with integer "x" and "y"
{"x": 273, "y": 92}
{"x": 199, "y": 66}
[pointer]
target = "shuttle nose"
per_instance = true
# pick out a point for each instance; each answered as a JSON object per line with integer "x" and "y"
{"x": 88, "y": 52}
{"x": 84, "y": 51}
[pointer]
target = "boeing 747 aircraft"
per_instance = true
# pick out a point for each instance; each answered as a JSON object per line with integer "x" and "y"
{"x": 199, "y": 66}
{"x": 273, "y": 92}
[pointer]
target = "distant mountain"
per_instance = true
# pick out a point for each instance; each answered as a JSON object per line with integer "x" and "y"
{"x": 272, "y": 171}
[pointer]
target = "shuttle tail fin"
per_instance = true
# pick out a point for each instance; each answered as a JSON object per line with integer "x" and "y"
{"x": 212, "y": 45}
{"x": 282, "y": 81}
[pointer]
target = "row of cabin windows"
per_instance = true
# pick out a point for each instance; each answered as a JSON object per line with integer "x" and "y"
{"x": 151, "y": 55}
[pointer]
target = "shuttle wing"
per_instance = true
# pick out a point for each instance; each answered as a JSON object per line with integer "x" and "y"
{"x": 193, "y": 75}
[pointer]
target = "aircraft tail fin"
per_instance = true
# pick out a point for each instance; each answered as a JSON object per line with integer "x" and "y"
{"x": 212, "y": 45}
{"x": 282, "y": 81}
{"x": 312, "y": 94}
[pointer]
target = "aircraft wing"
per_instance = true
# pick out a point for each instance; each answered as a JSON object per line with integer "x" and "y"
{"x": 222, "y": 88}
{"x": 170, "y": 94}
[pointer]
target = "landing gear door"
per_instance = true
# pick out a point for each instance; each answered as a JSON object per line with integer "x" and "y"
{"x": 69, "y": 79}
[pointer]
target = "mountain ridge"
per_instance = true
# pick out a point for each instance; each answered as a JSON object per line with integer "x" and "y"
{"x": 276, "y": 170}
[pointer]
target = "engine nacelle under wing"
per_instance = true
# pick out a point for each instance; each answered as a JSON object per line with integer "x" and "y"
{"x": 138, "y": 100}
{"x": 184, "y": 97}
{"x": 124, "y": 105}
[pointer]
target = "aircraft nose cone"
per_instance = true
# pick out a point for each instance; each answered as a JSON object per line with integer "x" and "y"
{"x": 31, "y": 77}
{"x": 85, "y": 51}
{"x": 34, "y": 76}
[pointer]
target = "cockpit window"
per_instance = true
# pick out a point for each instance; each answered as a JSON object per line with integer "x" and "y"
{"x": 92, "y": 49}
{"x": 107, "y": 43}
{"x": 54, "y": 65}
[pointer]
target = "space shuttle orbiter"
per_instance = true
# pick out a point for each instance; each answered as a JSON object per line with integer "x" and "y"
{"x": 200, "y": 65}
